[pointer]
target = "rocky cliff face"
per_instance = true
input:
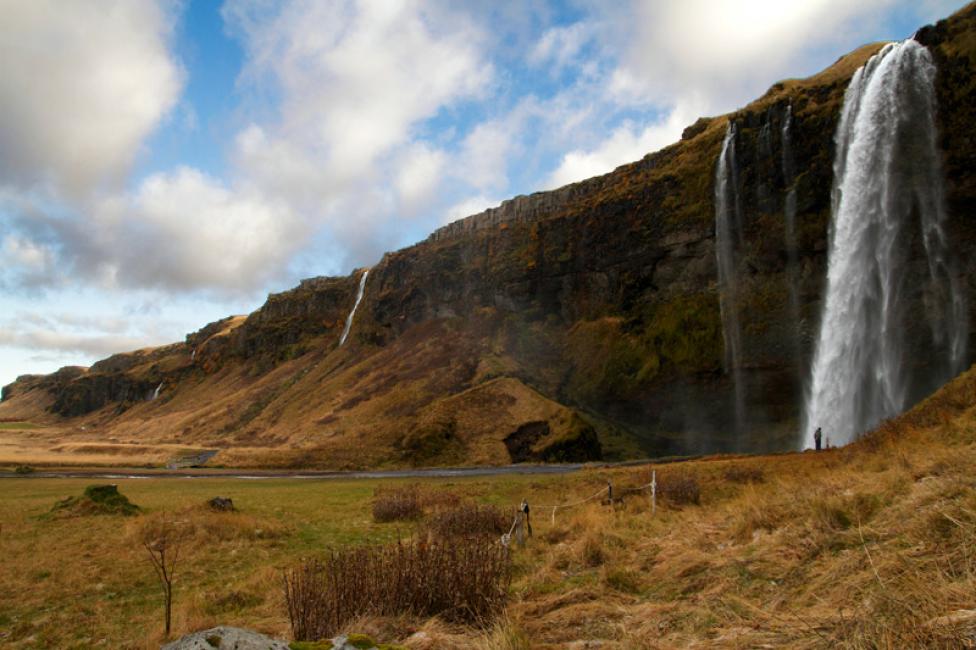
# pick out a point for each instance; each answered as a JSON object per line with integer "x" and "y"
{"x": 600, "y": 298}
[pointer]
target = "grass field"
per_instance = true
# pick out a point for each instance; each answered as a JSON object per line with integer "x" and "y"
{"x": 871, "y": 546}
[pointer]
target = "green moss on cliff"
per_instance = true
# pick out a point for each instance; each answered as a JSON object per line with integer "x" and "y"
{"x": 683, "y": 335}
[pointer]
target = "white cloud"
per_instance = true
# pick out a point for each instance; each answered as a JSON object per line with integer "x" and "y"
{"x": 559, "y": 47}
{"x": 418, "y": 174}
{"x": 483, "y": 160}
{"x": 627, "y": 143}
{"x": 185, "y": 230}
{"x": 83, "y": 83}
{"x": 354, "y": 77}
{"x": 56, "y": 341}
{"x": 725, "y": 52}
{"x": 353, "y": 82}
{"x": 468, "y": 207}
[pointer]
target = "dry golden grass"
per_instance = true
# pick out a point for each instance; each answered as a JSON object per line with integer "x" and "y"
{"x": 870, "y": 546}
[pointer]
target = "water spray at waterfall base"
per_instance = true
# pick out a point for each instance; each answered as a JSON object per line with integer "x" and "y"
{"x": 887, "y": 171}
{"x": 355, "y": 306}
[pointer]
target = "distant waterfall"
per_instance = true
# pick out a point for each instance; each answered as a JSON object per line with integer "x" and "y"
{"x": 728, "y": 230}
{"x": 156, "y": 392}
{"x": 789, "y": 213}
{"x": 359, "y": 297}
{"x": 887, "y": 169}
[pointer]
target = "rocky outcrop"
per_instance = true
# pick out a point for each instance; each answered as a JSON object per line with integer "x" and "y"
{"x": 315, "y": 308}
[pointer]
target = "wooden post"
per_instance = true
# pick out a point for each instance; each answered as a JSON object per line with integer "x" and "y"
{"x": 653, "y": 492}
{"x": 520, "y": 528}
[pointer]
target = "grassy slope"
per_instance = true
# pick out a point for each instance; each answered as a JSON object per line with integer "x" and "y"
{"x": 867, "y": 546}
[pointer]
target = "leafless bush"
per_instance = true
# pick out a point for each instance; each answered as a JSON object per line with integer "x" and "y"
{"x": 409, "y": 502}
{"x": 397, "y": 504}
{"x": 465, "y": 580}
{"x": 744, "y": 474}
{"x": 163, "y": 540}
{"x": 466, "y": 520}
{"x": 679, "y": 489}
{"x": 439, "y": 499}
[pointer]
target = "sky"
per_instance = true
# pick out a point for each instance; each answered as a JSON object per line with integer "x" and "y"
{"x": 164, "y": 164}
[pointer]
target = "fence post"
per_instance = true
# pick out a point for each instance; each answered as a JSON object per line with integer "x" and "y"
{"x": 653, "y": 492}
{"x": 519, "y": 529}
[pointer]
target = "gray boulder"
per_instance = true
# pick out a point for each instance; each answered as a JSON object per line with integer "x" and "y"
{"x": 226, "y": 638}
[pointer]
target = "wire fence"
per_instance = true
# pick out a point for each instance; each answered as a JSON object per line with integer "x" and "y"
{"x": 521, "y": 519}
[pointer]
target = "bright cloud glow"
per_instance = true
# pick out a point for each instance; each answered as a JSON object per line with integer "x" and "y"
{"x": 83, "y": 83}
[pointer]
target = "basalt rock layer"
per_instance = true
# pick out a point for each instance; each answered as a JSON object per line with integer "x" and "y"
{"x": 566, "y": 325}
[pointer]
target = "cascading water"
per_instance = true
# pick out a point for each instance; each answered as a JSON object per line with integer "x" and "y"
{"x": 789, "y": 213}
{"x": 156, "y": 392}
{"x": 727, "y": 231}
{"x": 355, "y": 306}
{"x": 887, "y": 169}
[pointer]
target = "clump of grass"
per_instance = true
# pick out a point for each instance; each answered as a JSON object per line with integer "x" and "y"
{"x": 97, "y": 500}
{"x": 232, "y": 601}
{"x": 505, "y": 634}
{"x": 680, "y": 488}
{"x": 467, "y": 520}
{"x": 409, "y": 502}
{"x": 397, "y": 504}
{"x": 744, "y": 474}
{"x": 465, "y": 580}
{"x": 592, "y": 552}
{"x": 622, "y": 580}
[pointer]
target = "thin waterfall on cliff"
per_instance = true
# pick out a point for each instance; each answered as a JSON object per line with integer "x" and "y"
{"x": 156, "y": 392}
{"x": 789, "y": 214}
{"x": 727, "y": 231}
{"x": 887, "y": 170}
{"x": 359, "y": 297}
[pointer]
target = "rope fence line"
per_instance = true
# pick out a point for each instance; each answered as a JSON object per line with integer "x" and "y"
{"x": 523, "y": 510}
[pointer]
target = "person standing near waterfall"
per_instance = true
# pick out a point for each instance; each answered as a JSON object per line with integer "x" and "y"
{"x": 817, "y": 436}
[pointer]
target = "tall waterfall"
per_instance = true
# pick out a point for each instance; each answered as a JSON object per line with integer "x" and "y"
{"x": 887, "y": 170}
{"x": 156, "y": 392}
{"x": 355, "y": 306}
{"x": 789, "y": 213}
{"x": 728, "y": 229}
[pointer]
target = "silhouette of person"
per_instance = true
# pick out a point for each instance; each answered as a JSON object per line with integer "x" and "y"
{"x": 817, "y": 435}
{"x": 525, "y": 511}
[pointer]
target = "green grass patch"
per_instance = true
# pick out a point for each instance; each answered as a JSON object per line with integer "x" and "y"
{"x": 19, "y": 426}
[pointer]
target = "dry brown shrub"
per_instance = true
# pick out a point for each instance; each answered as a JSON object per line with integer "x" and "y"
{"x": 467, "y": 519}
{"x": 409, "y": 502}
{"x": 679, "y": 488}
{"x": 397, "y": 504}
{"x": 464, "y": 580}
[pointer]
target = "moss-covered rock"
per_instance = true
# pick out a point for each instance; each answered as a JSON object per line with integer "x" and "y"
{"x": 97, "y": 500}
